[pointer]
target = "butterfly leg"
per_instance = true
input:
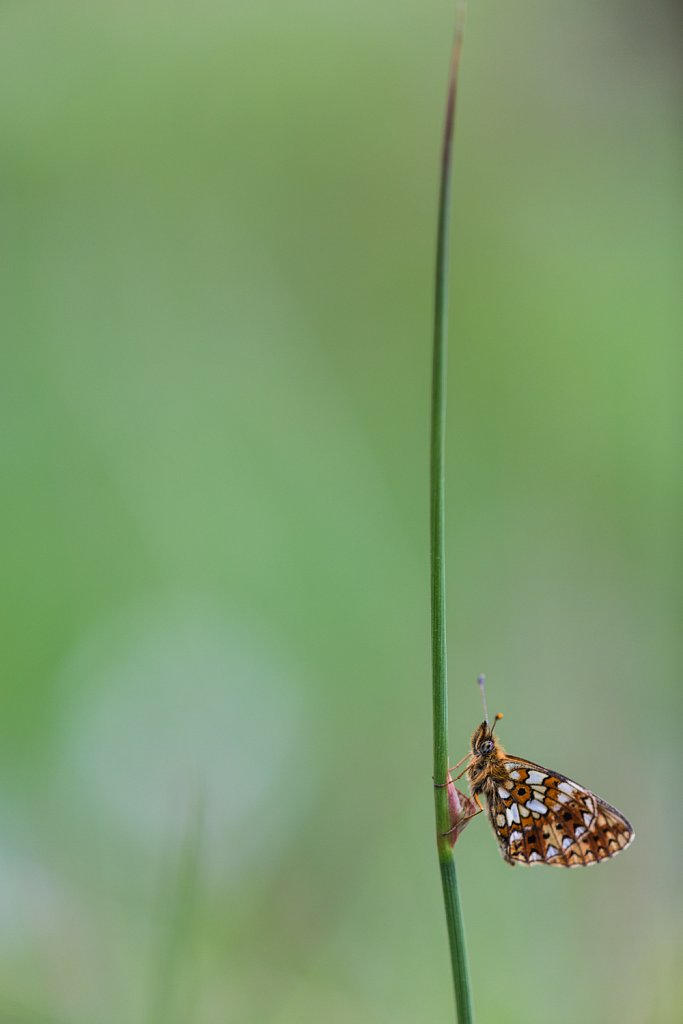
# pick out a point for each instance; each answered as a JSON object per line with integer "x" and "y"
{"x": 440, "y": 785}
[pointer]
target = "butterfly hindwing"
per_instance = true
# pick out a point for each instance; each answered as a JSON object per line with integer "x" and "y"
{"x": 610, "y": 834}
{"x": 542, "y": 817}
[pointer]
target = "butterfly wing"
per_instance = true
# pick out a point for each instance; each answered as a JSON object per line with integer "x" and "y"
{"x": 542, "y": 817}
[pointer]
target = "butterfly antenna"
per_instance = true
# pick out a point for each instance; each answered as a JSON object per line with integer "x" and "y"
{"x": 482, "y": 680}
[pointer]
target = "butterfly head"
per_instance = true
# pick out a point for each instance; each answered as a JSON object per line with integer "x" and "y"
{"x": 486, "y": 757}
{"x": 484, "y": 744}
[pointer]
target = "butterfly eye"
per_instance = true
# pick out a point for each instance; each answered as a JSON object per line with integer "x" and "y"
{"x": 486, "y": 747}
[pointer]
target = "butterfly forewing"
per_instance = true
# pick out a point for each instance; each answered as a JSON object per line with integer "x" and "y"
{"x": 542, "y": 817}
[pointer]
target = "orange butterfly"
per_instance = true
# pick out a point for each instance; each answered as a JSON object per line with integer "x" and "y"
{"x": 540, "y": 816}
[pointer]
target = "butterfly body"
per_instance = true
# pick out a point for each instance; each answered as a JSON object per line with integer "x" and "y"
{"x": 540, "y": 816}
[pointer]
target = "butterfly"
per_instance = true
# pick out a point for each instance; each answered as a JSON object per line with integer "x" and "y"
{"x": 538, "y": 815}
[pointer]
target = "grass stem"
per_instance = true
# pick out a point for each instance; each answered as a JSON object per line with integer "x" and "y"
{"x": 454, "y": 919}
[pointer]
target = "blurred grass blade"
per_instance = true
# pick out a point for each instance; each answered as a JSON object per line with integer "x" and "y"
{"x": 169, "y": 1000}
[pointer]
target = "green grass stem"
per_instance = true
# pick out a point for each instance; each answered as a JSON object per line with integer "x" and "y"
{"x": 454, "y": 918}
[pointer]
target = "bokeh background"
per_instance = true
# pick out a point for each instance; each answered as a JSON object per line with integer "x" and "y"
{"x": 215, "y": 757}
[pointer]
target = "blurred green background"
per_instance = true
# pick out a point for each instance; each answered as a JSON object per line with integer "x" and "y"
{"x": 215, "y": 759}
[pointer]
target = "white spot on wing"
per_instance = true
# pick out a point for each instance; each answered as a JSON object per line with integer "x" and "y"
{"x": 503, "y": 793}
{"x": 515, "y": 837}
{"x": 514, "y": 775}
{"x": 536, "y": 805}
{"x": 534, "y": 856}
{"x": 500, "y": 820}
{"x": 579, "y": 832}
{"x": 536, "y": 778}
{"x": 587, "y": 817}
{"x": 512, "y": 814}
{"x": 552, "y": 851}
{"x": 566, "y": 787}
{"x": 566, "y": 842}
